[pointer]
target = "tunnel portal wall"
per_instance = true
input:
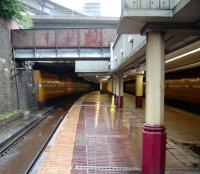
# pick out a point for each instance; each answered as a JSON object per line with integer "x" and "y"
{"x": 26, "y": 89}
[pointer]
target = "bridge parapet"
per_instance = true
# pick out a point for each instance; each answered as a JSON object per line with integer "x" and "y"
{"x": 63, "y": 38}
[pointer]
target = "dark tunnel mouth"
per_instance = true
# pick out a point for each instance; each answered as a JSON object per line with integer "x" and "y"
{"x": 59, "y": 68}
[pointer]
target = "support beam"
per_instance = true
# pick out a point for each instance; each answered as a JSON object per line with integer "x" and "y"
{"x": 59, "y": 54}
{"x": 139, "y": 89}
{"x": 154, "y": 136}
{"x": 176, "y": 27}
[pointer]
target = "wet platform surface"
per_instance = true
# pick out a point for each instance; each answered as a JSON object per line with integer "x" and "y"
{"x": 94, "y": 138}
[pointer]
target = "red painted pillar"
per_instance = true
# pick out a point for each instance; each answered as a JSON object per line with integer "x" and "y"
{"x": 154, "y": 135}
{"x": 119, "y": 101}
{"x": 154, "y": 147}
{"x": 138, "y": 101}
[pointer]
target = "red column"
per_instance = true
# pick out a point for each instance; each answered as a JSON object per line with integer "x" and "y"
{"x": 119, "y": 101}
{"x": 154, "y": 147}
{"x": 138, "y": 101}
{"x": 154, "y": 135}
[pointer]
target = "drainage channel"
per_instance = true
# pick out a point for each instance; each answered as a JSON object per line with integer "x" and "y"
{"x": 108, "y": 168}
{"x": 132, "y": 169}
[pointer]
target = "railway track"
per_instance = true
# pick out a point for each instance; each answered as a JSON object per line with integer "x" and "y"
{"x": 30, "y": 167}
{"x": 18, "y": 143}
{"x": 11, "y": 143}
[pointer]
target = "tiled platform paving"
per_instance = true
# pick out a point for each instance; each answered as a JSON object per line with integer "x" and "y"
{"x": 95, "y": 140}
{"x": 101, "y": 141}
{"x": 59, "y": 153}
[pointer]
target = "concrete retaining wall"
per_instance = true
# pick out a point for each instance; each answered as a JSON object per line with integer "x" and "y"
{"x": 26, "y": 89}
{"x": 8, "y": 98}
{"x": 13, "y": 94}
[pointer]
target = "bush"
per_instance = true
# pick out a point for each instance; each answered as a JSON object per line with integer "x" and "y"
{"x": 10, "y": 114}
{"x": 10, "y": 9}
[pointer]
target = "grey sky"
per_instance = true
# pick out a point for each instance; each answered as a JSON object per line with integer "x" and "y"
{"x": 108, "y": 7}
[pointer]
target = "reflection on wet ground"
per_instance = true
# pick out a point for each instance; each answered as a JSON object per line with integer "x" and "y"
{"x": 109, "y": 140}
{"x": 113, "y": 138}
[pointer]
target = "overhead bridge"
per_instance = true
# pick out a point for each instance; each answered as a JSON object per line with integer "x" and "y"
{"x": 62, "y": 44}
{"x": 62, "y": 54}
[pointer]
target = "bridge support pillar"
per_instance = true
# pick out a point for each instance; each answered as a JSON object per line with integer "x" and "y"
{"x": 113, "y": 86}
{"x": 119, "y": 91}
{"x": 154, "y": 136}
{"x": 100, "y": 87}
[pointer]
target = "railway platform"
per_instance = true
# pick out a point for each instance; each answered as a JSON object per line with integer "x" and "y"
{"x": 96, "y": 137}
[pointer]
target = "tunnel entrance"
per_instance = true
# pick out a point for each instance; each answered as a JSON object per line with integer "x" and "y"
{"x": 56, "y": 81}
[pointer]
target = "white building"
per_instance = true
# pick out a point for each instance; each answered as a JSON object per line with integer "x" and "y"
{"x": 92, "y": 8}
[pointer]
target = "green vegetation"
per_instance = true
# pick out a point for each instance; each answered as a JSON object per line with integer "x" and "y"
{"x": 10, "y": 9}
{"x": 10, "y": 114}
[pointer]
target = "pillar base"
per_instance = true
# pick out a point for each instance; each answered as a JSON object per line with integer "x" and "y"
{"x": 119, "y": 101}
{"x": 138, "y": 101}
{"x": 154, "y": 149}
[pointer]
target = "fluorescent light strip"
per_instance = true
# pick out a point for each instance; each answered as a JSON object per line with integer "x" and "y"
{"x": 183, "y": 55}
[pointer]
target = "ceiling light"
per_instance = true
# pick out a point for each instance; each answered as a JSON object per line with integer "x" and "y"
{"x": 183, "y": 55}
